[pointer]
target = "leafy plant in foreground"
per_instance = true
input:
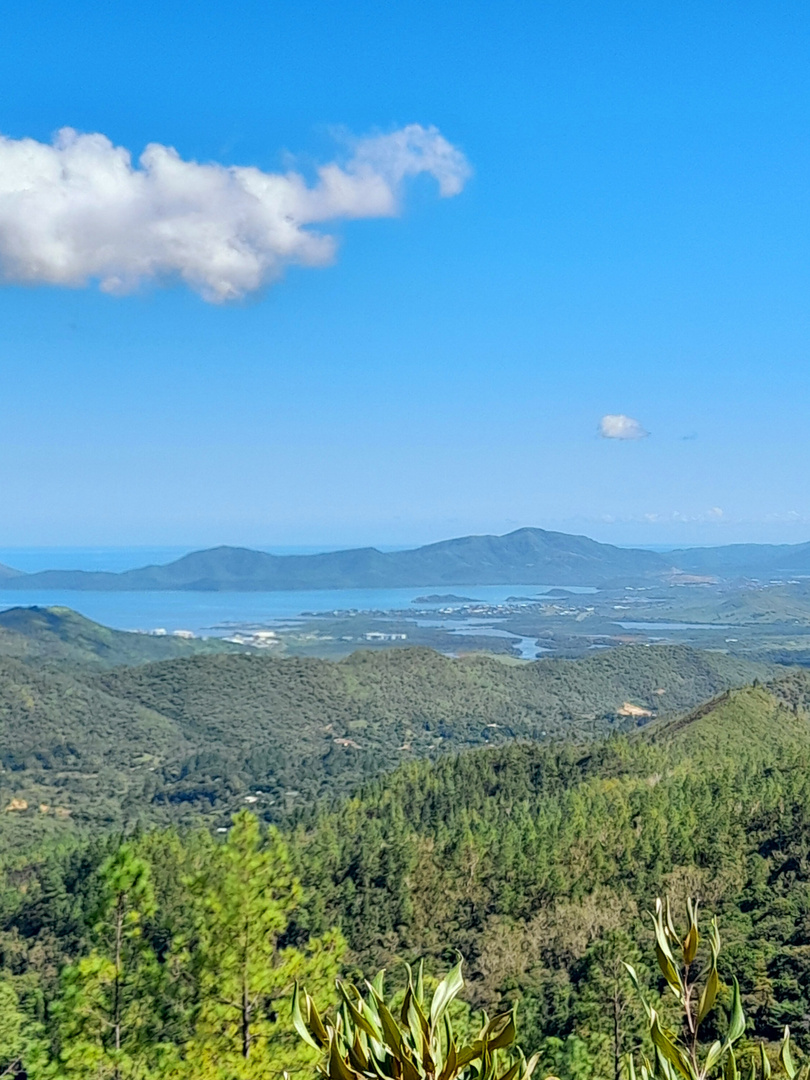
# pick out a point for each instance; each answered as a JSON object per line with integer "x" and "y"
{"x": 682, "y": 1055}
{"x": 367, "y": 1037}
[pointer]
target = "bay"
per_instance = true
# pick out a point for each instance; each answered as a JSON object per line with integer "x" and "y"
{"x": 214, "y": 613}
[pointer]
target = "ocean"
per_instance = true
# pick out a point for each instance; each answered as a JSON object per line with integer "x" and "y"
{"x": 211, "y": 614}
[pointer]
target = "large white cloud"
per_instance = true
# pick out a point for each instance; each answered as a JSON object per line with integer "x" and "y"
{"x": 78, "y": 210}
{"x": 618, "y": 426}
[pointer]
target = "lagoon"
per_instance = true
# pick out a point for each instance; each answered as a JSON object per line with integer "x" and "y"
{"x": 212, "y": 614}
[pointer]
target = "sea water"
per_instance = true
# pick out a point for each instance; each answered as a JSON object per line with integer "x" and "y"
{"x": 216, "y": 613}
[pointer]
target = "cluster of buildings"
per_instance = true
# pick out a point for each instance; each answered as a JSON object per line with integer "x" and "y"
{"x": 259, "y": 639}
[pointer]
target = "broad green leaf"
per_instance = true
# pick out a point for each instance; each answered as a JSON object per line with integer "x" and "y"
{"x": 692, "y": 939}
{"x": 708, "y": 995}
{"x": 669, "y": 1051}
{"x": 666, "y": 917}
{"x": 338, "y": 1069}
{"x": 361, "y": 1021}
{"x": 450, "y": 1067}
{"x": 712, "y": 1056}
{"x": 764, "y": 1063}
{"x": 358, "y": 1058}
{"x": 500, "y": 1031}
{"x": 391, "y": 1030}
{"x": 512, "y": 1072}
{"x": 447, "y": 989}
{"x": 298, "y": 1020}
{"x": 785, "y": 1055}
{"x": 668, "y": 970}
{"x": 730, "y": 1067}
{"x": 470, "y": 1053}
{"x": 736, "y": 1024}
{"x": 531, "y": 1065}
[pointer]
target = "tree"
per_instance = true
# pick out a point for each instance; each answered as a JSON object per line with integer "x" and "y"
{"x": 108, "y": 1005}
{"x": 21, "y": 1048}
{"x": 244, "y": 969}
{"x": 601, "y": 1009}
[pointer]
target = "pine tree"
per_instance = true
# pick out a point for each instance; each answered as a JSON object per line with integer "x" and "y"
{"x": 245, "y": 973}
{"x": 109, "y": 1000}
{"x": 21, "y": 1047}
{"x": 604, "y": 1007}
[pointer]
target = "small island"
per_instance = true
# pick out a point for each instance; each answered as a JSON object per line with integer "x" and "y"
{"x": 445, "y": 598}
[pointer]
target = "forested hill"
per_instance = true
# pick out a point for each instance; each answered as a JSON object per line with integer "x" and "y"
{"x": 169, "y": 740}
{"x": 59, "y": 636}
{"x": 539, "y": 862}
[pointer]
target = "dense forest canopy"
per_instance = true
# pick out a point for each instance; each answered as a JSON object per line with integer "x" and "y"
{"x": 170, "y": 741}
{"x": 536, "y": 860}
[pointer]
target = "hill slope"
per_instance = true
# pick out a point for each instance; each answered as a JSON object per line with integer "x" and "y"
{"x": 539, "y": 862}
{"x": 62, "y": 636}
{"x": 226, "y": 727}
{"x": 527, "y": 857}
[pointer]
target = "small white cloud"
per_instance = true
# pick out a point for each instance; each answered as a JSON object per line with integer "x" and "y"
{"x": 618, "y": 426}
{"x": 78, "y": 210}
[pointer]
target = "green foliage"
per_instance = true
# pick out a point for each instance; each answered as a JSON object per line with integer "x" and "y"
{"x": 244, "y": 974}
{"x": 533, "y": 859}
{"x": 160, "y": 957}
{"x": 110, "y": 997}
{"x": 172, "y": 741}
{"x": 367, "y": 1037}
{"x": 529, "y": 858}
{"x": 21, "y": 1045}
{"x": 684, "y": 1054}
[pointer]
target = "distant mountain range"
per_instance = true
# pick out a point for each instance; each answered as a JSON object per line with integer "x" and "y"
{"x": 524, "y": 557}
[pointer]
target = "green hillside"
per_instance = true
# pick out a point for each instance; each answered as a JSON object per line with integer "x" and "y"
{"x": 59, "y": 635}
{"x": 201, "y": 734}
{"x": 526, "y": 857}
{"x": 537, "y": 860}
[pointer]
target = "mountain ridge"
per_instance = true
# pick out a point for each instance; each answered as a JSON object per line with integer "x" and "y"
{"x": 526, "y": 556}
{"x": 523, "y": 557}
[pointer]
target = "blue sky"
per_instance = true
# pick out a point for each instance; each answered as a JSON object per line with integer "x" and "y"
{"x": 633, "y": 240}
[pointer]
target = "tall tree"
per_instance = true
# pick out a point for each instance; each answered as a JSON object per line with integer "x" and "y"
{"x": 605, "y": 1012}
{"x": 245, "y": 970}
{"x": 109, "y": 1000}
{"x": 22, "y": 1050}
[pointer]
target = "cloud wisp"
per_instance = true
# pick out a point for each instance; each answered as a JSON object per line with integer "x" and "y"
{"x": 618, "y": 426}
{"x": 78, "y": 210}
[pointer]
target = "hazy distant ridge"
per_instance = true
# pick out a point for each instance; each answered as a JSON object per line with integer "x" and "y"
{"x": 524, "y": 557}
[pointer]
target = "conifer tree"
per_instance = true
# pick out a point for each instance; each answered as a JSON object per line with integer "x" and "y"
{"x": 108, "y": 1005}
{"x": 244, "y": 969}
{"x": 21, "y": 1046}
